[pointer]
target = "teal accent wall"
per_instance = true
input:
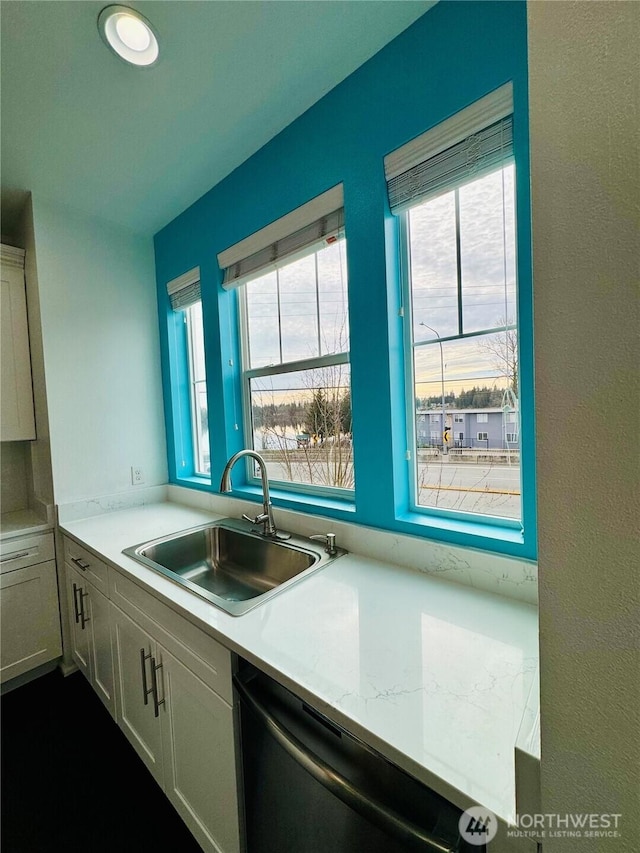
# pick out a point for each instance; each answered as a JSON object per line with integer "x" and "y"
{"x": 452, "y": 56}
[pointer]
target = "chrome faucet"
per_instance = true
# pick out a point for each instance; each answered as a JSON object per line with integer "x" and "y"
{"x": 266, "y": 517}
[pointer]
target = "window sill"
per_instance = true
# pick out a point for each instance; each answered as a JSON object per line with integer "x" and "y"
{"x": 315, "y": 504}
{"x": 485, "y": 535}
{"x": 281, "y": 498}
{"x": 201, "y": 483}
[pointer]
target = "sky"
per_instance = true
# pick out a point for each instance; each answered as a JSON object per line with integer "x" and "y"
{"x": 487, "y": 261}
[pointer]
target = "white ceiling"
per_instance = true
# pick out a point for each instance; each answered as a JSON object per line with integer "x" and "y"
{"x": 135, "y": 147}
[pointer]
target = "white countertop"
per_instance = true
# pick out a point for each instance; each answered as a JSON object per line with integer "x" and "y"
{"x": 23, "y": 522}
{"x": 433, "y": 674}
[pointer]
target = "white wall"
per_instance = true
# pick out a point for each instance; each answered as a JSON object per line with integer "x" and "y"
{"x": 101, "y": 353}
{"x": 584, "y": 92}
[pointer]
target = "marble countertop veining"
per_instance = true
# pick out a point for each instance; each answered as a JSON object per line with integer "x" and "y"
{"x": 434, "y": 675}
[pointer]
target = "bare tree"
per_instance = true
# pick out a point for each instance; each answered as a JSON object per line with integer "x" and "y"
{"x": 325, "y": 456}
{"x": 502, "y": 349}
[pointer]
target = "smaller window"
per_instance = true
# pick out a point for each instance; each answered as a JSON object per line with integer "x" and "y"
{"x": 435, "y": 419}
{"x": 482, "y": 417}
{"x": 511, "y": 438}
{"x": 185, "y": 298}
{"x": 435, "y": 436}
{"x": 483, "y": 436}
{"x": 460, "y": 436}
{"x": 198, "y": 390}
{"x": 510, "y": 417}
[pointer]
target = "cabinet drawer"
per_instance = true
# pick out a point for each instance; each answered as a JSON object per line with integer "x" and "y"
{"x": 26, "y": 551}
{"x": 93, "y": 569}
{"x": 203, "y": 655}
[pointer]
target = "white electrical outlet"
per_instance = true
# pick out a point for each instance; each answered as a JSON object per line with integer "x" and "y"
{"x": 137, "y": 475}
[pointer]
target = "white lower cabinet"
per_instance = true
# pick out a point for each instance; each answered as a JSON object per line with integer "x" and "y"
{"x": 133, "y": 651}
{"x": 180, "y": 726}
{"x": 199, "y": 756}
{"x": 29, "y": 607}
{"x": 169, "y": 687}
{"x": 79, "y": 630}
{"x": 91, "y": 634}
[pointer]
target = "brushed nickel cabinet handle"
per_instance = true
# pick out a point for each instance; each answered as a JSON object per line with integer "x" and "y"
{"x": 145, "y": 690}
{"x": 15, "y": 557}
{"x": 75, "y": 603}
{"x": 154, "y": 684}
{"x": 80, "y": 564}
{"x": 83, "y": 616}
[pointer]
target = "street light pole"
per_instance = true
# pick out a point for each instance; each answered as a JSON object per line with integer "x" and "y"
{"x": 444, "y": 414}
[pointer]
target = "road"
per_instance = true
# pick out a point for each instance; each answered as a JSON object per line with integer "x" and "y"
{"x": 492, "y": 489}
{"x": 471, "y": 487}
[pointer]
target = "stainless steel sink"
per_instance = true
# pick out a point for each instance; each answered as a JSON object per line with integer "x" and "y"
{"x": 231, "y": 564}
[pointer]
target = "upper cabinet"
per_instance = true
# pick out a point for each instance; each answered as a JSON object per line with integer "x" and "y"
{"x": 17, "y": 422}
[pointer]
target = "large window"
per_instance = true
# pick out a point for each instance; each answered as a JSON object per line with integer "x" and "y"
{"x": 294, "y": 329}
{"x": 457, "y": 211}
{"x": 296, "y": 369}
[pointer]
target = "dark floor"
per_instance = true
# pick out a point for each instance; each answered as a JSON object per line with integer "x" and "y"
{"x": 71, "y": 782}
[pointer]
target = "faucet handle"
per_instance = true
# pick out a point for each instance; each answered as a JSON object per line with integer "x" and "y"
{"x": 329, "y": 540}
{"x": 259, "y": 519}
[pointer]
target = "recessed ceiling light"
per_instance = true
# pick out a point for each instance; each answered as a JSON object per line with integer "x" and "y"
{"x": 129, "y": 35}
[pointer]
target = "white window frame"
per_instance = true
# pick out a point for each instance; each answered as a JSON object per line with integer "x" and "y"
{"x": 513, "y": 523}
{"x": 198, "y": 448}
{"x": 248, "y": 373}
{"x": 482, "y": 417}
{"x": 482, "y": 436}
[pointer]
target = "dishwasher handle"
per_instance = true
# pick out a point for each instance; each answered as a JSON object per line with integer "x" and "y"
{"x": 372, "y": 810}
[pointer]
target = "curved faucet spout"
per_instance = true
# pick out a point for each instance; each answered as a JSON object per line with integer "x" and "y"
{"x": 266, "y": 519}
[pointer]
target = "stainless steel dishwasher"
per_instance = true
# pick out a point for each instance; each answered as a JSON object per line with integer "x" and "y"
{"x": 311, "y": 787}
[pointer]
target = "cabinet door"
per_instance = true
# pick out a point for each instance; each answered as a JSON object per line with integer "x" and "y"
{"x": 80, "y": 634}
{"x": 100, "y": 648}
{"x": 199, "y": 756}
{"x": 16, "y": 412}
{"x": 133, "y": 650}
{"x": 29, "y": 619}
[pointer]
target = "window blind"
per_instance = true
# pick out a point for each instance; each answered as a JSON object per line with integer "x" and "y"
{"x": 472, "y": 142}
{"x": 184, "y": 290}
{"x": 310, "y": 227}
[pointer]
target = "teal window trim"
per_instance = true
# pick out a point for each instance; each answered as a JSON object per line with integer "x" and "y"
{"x": 377, "y": 351}
{"x": 178, "y": 403}
{"x": 283, "y": 499}
{"x": 460, "y": 529}
{"x": 199, "y": 482}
